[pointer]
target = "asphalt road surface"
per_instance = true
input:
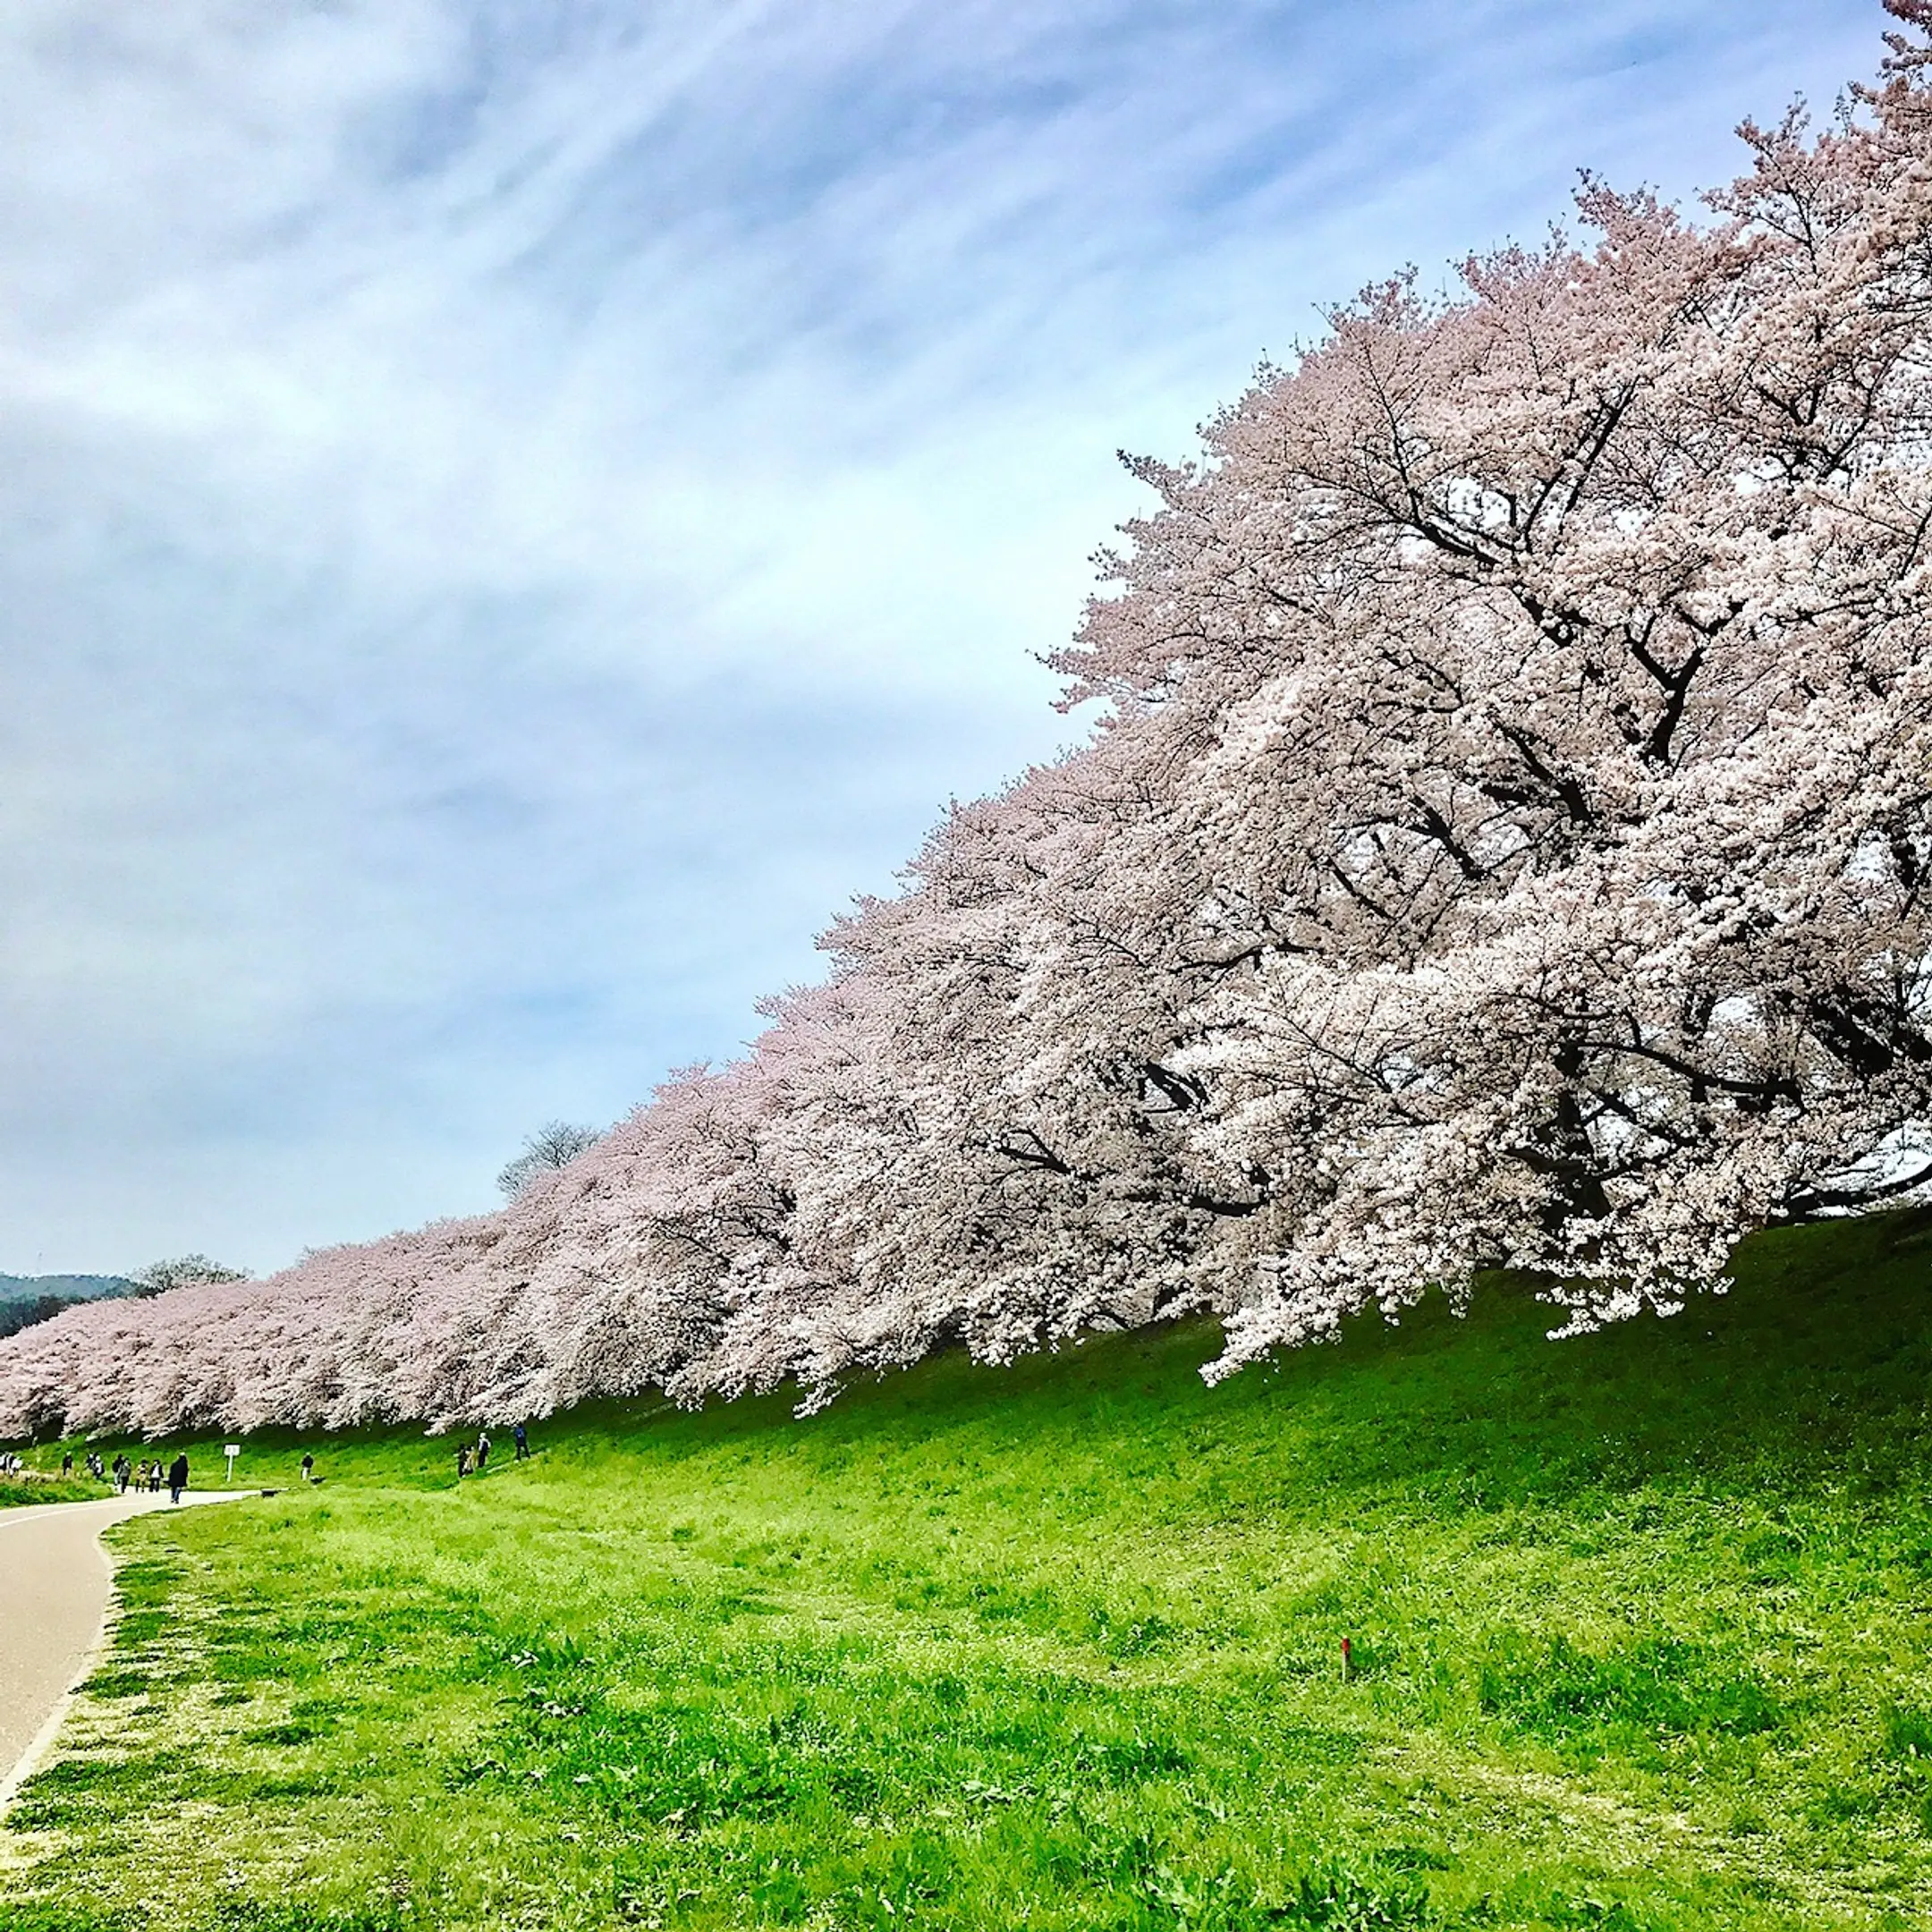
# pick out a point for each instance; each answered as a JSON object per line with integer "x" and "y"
{"x": 54, "y": 1584}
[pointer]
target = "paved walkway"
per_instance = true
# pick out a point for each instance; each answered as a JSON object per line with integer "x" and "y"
{"x": 55, "y": 1580}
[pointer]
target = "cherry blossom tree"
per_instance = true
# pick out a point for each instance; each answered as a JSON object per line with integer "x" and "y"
{"x": 1504, "y": 844}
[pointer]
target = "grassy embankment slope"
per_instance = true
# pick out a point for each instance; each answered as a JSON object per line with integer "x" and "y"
{"x": 1639, "y": 1623}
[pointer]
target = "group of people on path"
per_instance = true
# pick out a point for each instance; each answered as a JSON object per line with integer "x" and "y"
{"x": 147, "y": 1476}
{"x": 473, "y": 1458}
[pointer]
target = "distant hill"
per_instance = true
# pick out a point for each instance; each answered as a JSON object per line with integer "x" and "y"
{"x": 28, "y": 1299}
{"x": 66, "y": 1287}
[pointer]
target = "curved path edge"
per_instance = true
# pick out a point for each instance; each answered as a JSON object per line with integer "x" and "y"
{"x": 56, "y": 1609}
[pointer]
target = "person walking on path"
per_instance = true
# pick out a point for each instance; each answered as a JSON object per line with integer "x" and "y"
{"x": 462, "y": 1461}
{"x": 123, "y": 1469}
{"x": 67, "y": 1465}
{"x": 482, "y": 1451}
{"x": 177, "y": 1478}
{"x": 521, "y": 1435}
{"x": 308, "y": 1466}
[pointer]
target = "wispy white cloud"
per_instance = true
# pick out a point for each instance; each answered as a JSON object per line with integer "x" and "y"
{"x": 510, "y": 512}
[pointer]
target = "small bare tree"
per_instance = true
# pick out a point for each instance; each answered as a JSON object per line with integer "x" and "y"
{"x": 185, "y": 1271}
{"x": 555, "y": 1144}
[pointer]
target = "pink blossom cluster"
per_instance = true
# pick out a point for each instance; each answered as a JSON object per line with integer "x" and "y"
{"x": 1505, "y": 845}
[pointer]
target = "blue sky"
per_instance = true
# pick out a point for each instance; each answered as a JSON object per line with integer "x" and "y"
{"x": 510, "y": 513}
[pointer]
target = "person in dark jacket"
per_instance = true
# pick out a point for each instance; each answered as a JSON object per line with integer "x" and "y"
{"x": 523, "y": 1441}
{"x": 177, "y": 1477}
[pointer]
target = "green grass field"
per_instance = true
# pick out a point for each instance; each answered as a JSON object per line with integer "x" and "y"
{"x": 1639, "y": 1627}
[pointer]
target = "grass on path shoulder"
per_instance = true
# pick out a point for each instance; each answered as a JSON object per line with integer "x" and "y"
{"x": 17, "y": 1491}
{"x": 1638, "y": 1626}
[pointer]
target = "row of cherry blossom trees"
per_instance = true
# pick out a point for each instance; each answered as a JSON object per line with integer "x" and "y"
{"x": 1505, "y": 845}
